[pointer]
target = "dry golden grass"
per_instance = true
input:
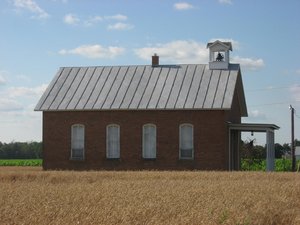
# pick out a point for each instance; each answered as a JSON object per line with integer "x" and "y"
{"x": 33, "y": 196}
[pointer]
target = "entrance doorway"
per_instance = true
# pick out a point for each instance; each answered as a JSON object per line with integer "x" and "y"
{"x": 234, "y": 143}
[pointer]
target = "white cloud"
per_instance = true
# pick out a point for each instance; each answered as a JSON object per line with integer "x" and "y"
{"x": 93, "y": 20}
{"x": 2, "y": 80}
{"x": 17, "y": 118}
{"x": 94, "y": 51}
{"x": 23, "y": 78}
{"x": 256, "y": 115}
{"x": 119, "y": 17}
{"x": 31, "y": 6}
{"x": 183, "y": 6}
{"x": 9, "y": 105}
{"x": 295, "y": 91}
{"x": 71, "y": 19}
{"x": 63, "y": 1}
{"x": 189, "y": 51}
{"x": 15, "y": 92}
{"x": 120, "y": 26}
{"x": 248, "y": 63}
{"x": 229, "y": 2}
{"x": 21, "y": 124}
{"x": 180, "y": 51}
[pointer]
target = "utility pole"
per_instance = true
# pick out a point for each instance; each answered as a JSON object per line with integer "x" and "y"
{"x": 292, "y": 139}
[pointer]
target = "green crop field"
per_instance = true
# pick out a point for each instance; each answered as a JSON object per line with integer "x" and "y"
{"x": 260, "y": 165}
{"x": 247, "y": 165}
{"x": 21, "y": 162}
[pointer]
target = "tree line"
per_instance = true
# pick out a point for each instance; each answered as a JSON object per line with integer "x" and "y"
{"x": 21, "y": 150}
{"x": 33, "y": 150}
{"x": 250, "y": 150}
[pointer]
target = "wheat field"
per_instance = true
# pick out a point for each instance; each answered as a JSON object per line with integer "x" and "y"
{"x": 29, "y": 195}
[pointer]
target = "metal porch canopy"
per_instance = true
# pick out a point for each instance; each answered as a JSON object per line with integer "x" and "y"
{"x": 234, "y": 137}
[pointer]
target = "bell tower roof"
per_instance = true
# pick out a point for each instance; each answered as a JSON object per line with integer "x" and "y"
{"x": 219, "y": 45}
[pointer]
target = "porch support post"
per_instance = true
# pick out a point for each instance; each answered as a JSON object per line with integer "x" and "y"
{"x": 229, "y": 150}
{"x": 270, "y": 150}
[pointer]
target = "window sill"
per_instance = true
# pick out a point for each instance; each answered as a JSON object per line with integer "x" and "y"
{"x": 113, "y": 159}
{"x": 149, "y": 159}
{"x": 186, "y": 159}
{"x": 77, "y": 159}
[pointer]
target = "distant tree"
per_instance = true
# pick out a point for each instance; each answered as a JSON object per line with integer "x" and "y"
{"x": 279, "y": 151}
{"x": 252, "y": 154}
{"x": 21, "y": 150}
{"x": 287, "y": 148}
{"x": 250, "y": 150}
{"x": 297, "y": 142}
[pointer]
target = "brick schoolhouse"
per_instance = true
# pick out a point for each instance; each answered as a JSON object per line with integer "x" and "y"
{"x": 165, "y": 117}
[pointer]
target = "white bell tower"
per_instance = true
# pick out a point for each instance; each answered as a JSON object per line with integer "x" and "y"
{"x": 219, "y": 55}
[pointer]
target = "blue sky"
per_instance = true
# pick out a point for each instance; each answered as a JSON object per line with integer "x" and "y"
{"x": 39, "y": 36}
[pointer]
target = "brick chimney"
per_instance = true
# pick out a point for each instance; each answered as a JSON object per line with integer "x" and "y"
{"x": 155, "y": 60}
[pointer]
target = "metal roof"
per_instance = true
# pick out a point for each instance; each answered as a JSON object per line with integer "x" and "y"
{"x": 257, "y": 127}
{"x": 188, "y": 86}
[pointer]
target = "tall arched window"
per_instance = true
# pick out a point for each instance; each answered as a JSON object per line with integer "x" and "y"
{"x": 149, "y": 141}
{"x": 186, "y": 141}
{"x": 113, "y": 141}
{"x": 77, "y": 142}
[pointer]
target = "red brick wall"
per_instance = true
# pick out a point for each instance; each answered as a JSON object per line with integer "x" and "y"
{"x": 210, "y": 139}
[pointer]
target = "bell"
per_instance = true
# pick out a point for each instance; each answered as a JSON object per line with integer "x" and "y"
{"x": 220, "y": 57}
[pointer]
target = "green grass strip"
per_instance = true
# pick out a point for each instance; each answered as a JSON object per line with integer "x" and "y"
{"x": 21, "y": 162}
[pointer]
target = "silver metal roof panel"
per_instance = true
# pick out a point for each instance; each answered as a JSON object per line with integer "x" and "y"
{"x": 186, "y": 84}
{"x": 219, "y": 97}
{"x": 194, "y": 87}
{"x": 158, "y": 89}
{"x": 86, "y": 87}
{"x": 134, "y": 82}
{"x": 149, "y": 88}
{"x": 143, "y": 87}
{"x": 103, "y": 75}
{"x": 230, "y": 87}
{"x": 172, "y": 73}
{"x": 115, "y": 88}
{"x": 203, "y": 88}
{"x": 212, "y": 88}
{"x": 75, "y": 90}
{"x": 176, "y": 87}
{"x": 121, "y": 91}
{"x": 62, "y": 94}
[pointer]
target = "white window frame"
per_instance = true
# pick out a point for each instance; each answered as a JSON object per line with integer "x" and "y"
{"x": 117, "y": 154}
{"x": 72, "y": 142}
{"x": 180, "y": 140}
{"x": 144, "y": 142}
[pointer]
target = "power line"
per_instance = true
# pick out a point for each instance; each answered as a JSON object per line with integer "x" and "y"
{"x": 274, "y": 103}
{"x": 272, "y": 88}
{"x": 296, "y": 114}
